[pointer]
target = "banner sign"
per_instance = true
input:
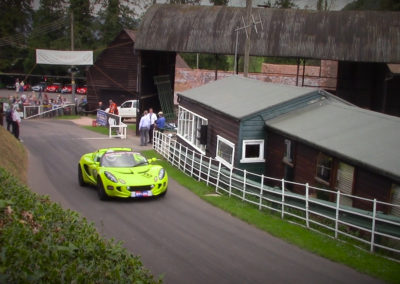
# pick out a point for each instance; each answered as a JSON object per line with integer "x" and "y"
{"x": 59, "y": 57}
{"x": 101, "y": 118}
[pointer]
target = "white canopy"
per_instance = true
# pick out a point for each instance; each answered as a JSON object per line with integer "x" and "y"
{"x": 60, "y": 57}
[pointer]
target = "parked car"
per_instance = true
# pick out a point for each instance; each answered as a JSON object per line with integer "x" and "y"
{"x": 67, "y": 89}
{"x": 82, "y": 90}
{"x": 27, "y": 87}
{"x": 37, "y": 87}
{"x": 54, "y": 88}
{"x": 127, "y": 109}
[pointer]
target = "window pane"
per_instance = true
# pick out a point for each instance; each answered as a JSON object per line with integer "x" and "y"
{"x": 324, "y": 167}
{"x": 252, "y": 151}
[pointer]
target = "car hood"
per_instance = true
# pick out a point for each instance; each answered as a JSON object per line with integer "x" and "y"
{"x": 135, "y": 175}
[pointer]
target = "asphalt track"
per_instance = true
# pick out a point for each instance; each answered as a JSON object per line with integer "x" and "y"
{"x": 178, "y": 236}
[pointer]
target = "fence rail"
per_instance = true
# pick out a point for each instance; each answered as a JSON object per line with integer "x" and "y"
{"x": 336, "y": 218}
{"x": 48, "y": 111}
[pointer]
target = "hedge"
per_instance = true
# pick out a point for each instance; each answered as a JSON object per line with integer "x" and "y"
{"x": 42, "y": 243}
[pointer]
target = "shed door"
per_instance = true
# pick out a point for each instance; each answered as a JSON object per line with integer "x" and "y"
{"x": 344, "y": 182}
{"x": 396, "y": 199}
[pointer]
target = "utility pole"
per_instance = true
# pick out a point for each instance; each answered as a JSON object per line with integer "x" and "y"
{"x": 72, "y": 67}
{"x": 247, "y": 43}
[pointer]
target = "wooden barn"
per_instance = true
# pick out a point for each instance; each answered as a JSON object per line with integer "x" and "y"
{"x": 365, "y": 43}
{"x": 114, "y": 75}
{"x": 301, "y": 134}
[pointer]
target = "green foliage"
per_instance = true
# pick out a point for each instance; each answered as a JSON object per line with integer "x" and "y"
{"x": 219, "y": 2}
{"x": 384, "y": 5}
{"x": 42, "y": 243}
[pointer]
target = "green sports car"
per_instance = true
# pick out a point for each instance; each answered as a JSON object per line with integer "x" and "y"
{"x": 121, "y": 172}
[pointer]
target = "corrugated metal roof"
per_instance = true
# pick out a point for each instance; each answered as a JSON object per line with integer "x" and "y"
{"x": 365, "y": 36}
{"x": 366, "y": 137}
{"x": 239, "y": 97}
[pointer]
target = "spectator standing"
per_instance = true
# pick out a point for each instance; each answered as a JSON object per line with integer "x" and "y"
{"x": 21, "y": 87}
{"x": 153, "y": 118}
{"x": 101, "y": 106}
{"x": 16, "y": 121}
{"x": 9, "y": 118}
{"x": 1, "y": 114}
{"x": 17, "y": 86}
{"x": 160, "y": 123}
{"x": 113, "y": 107}
{"x": 144, "y": 127}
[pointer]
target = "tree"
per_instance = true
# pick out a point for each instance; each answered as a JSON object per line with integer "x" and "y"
{"x": 284, "y": 4}
{"x": 219, "y": 2}
{"x": 383, "y": 5}
{"x": 114, "y": 17}
{"x": 15, "y": 17}
{"x": 48, "y": 32}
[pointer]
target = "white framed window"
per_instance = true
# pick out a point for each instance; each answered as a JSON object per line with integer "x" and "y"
{"x": 253, "y": 151}
{"x": 189, "y": 126}
{"x": 225, "y": 152}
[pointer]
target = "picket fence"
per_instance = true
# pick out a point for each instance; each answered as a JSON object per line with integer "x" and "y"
{"x": 371, "y": 230}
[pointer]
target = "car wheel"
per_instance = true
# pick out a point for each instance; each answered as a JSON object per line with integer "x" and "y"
{"x": 80, "y": 177}
{"x": 100, "y": 190}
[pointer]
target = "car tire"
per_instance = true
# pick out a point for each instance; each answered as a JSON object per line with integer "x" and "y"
{"x": 100, "y": 190}
{"x": 80, "y": 176}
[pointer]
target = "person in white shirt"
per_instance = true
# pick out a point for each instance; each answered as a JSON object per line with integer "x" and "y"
{"x": 16, "y": 121}
{"x": 144, "y": 127}
{"x": 153, "y": 118}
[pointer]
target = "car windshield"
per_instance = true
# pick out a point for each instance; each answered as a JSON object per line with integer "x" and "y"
{"x": 122, "y": 160}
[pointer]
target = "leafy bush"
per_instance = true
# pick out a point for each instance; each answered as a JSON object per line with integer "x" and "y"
{"x": 41, "y": 242}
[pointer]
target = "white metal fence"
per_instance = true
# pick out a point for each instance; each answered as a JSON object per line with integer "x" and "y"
{"x": 48, "y": 111}
{"x": 318, "y": 209}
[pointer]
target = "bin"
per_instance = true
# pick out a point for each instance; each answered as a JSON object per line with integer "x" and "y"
{"x": 94, "y": 123}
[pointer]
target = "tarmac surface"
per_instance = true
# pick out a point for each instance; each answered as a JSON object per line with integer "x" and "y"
{"x": 178, "y": 236}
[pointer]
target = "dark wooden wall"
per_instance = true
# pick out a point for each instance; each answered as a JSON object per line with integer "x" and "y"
{"x": 218, "y": 124}
{"x": 114, "y": 74}
{"x": 366, "y": 183}
{"x": 371, "y": 185}
{"x": 154, "y": 63}
{"x": 367, "y": 84}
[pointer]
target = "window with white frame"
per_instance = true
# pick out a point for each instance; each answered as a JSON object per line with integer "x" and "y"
{"x": 225, "y": 151}
{"x": 189, "y": 126}
{"x": 252, "y": 151}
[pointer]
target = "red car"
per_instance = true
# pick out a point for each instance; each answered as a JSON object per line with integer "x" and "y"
{"x": 81, "y": 90}
{"x": 67, "y": 89}
{"x": 54, "y": 88}
{"x": 27, "y": 87}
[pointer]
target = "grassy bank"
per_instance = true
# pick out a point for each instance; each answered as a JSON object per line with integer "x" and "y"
{"x": 14, "y": 158}
{"x": 360, "y": 260}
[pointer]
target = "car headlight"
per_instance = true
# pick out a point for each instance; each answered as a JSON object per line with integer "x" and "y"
{"x": 161, "y": 173}
{"x": 111, "y": 177}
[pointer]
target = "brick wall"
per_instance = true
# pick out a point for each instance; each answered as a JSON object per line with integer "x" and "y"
{"x": 315, "y": 76}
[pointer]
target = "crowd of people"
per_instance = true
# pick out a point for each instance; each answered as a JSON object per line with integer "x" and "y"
{"x": 148, "y": 122}
{"x": 13, "y": 118}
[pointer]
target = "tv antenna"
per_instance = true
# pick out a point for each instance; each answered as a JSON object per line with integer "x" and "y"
{"x": 252, "y": 24}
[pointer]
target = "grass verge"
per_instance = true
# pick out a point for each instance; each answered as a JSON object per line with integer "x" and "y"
{"x": 360, "y": 260}
{"x": 104, "y": 130}
{"x": 14, "y": 158}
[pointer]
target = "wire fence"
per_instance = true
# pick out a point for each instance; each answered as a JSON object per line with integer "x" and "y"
{"x": 325, "y": 211}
